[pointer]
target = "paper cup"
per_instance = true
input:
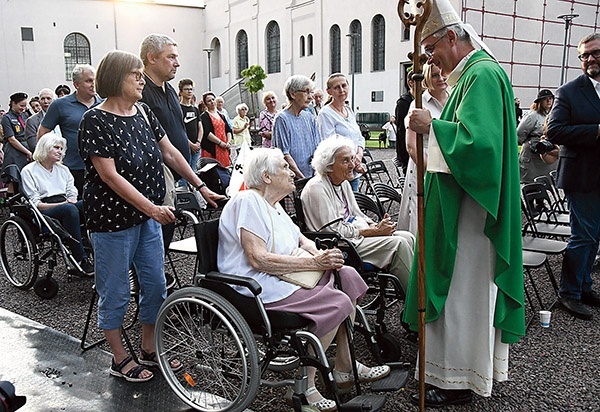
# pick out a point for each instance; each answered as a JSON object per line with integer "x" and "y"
{"x": 545, "y": 318}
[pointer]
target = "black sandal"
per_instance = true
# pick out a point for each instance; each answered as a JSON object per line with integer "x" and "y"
{"x": 149, "y": 359}
{"x": 133, "y": 374}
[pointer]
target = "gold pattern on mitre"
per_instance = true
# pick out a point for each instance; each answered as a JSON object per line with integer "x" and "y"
{"x": 442, "y": 15}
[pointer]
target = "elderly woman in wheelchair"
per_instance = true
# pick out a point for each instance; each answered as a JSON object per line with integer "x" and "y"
{"x": 329, "y": 204}
{"x": 50, "y": 187}
{"x": 258, "y": 239}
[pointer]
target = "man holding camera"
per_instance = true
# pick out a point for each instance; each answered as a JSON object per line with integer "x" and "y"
{"x": 574, "y": 125}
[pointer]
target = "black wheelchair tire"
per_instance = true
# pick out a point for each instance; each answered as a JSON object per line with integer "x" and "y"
{"x": 21, "y": 277}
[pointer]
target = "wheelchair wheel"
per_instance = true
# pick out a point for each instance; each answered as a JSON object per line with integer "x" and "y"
{"x": 390, "y": 349}
{"x": 46, "y": 288}
{"x": 19, "y": 252}
{"x": 216, "y": 347}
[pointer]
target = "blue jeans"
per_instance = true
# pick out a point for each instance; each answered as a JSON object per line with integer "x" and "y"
{"x": 68, "y": 214}
{"x": 114, "y": 253}
{"x": 355, "y": 183}
{"x": 583, "y": 244}
{"x": 194, "y": 165}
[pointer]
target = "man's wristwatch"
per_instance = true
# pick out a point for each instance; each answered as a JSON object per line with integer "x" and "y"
{"x": 200, "y": 186}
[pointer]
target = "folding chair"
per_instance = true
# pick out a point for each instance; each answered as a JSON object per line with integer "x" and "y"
{"x": 388, "y": 198}
{"x": 539, "y": 219}
{"x": 378, "y": 172}
{"x": 558, "y": 205}
{"x": 534, "y": 260}
{"x": 399, "y": 173}
{"x": 368, "y": 206}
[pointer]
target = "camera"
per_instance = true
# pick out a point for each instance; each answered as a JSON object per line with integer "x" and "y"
{"x": 9, "y": 401}
{"x": 541, "y": 146}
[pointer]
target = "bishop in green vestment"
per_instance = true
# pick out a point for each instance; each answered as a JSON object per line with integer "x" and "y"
{"x": 473, "y": 256}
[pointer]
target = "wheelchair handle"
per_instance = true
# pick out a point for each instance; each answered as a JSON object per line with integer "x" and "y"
{"x": 326, "y": 243}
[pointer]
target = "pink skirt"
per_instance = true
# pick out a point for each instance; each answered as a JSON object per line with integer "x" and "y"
{"x": 324, "y": 305}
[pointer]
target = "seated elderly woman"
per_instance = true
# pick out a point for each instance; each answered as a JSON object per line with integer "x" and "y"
{"x": 50, "y": 187}
{"x": 257, "y": 239}
{"x": 329, "y": 204}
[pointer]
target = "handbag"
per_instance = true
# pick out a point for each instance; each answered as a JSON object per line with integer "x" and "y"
{"x": 308, "y": 279}
{"x": 169, "y": 199}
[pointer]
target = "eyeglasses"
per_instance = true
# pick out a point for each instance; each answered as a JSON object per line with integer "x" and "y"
{"x": 307, "y": 91}
{"x": 586, "y": 56}
{"x": 138, "y": 75}
{"x": 188, "y": 89}
{"x": 429, "y": 49}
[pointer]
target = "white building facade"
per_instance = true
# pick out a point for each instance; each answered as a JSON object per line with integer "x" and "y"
{"x": 285, "y": 37}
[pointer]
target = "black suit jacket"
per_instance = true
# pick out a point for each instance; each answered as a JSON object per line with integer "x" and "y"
{"x": 573, "y": 124}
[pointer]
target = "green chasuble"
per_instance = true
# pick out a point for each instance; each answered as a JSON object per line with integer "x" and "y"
{"x": 477, "y": 135}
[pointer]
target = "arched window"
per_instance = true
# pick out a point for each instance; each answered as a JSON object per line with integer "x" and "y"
{"x": 309, "y": 45}
{"x": 215, "y": 60}
{"x": 77, "y": 51}
{"x": 302, "y": 47}
{"x": 273, "y": 48}
{"x": 334, "y": 49}
{"x": 355, "y": 47}
{"x": 241, "y": 42}
{"x": 378, "y": 30}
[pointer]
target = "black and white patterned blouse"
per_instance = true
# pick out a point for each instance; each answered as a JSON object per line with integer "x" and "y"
{"x": 133, "y": 146}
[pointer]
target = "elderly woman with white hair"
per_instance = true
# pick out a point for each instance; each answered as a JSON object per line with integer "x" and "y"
{"x": 51, "y": 188}
{"x": 329, "y": 204}
{"x": 295, "y": 129}
{"x": 258, "y": 239}
{"x": 241, "y": 130}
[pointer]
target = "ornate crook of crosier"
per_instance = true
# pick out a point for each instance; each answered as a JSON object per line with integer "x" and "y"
{"x": 418, "y": 17}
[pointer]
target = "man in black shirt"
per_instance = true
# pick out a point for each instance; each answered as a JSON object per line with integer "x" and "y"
{"x": 191, "y": 119}
{"x": 159, "y": 55}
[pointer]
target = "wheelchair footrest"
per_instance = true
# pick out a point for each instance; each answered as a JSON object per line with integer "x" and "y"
{"x": 396, "y": 380}
{"x": 364, "y": 403}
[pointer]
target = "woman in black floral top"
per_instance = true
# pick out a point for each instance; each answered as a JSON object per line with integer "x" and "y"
{"x": 124, "y": 146}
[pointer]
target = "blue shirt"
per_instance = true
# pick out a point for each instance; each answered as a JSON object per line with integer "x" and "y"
{"x": 298, "y": 137}
{"x": 67, "y": 112}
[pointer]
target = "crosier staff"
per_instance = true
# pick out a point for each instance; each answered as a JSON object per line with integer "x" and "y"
{"x": 418, "y": 20}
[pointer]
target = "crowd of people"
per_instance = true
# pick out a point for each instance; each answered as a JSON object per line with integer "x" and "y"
{"x": 109, "y": 155}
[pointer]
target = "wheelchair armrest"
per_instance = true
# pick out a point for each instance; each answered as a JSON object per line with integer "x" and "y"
{"x": 249, "y": 283}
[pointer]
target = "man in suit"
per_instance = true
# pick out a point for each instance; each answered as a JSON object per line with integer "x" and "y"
{"x": 574, "y": 123}
{"x": 33, "y": 123}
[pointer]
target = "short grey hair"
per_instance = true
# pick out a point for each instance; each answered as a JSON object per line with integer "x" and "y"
{"x": 79, "y": 69}
{"x": 296, "y": 83}
{"x": 47, "y": 90}
{"x": 46, "y": 143}
{"x": 261, "y": 160}
{"x": 240, "y": 107}
{"x": 324, "y": 156}
{"x": 458, "y": 29}
{"x": 154, "y": 44}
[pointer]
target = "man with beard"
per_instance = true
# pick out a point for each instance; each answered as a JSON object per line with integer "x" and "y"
{"x": 574, "y": 124}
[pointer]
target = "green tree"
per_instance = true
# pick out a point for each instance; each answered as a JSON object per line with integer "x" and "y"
{"x": 254, "y": 76}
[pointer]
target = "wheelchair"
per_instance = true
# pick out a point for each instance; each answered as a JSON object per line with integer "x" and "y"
{"x": 228, "y": 341}
{"x": 385, "y": 291}
{"x": 28, "y": 240}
